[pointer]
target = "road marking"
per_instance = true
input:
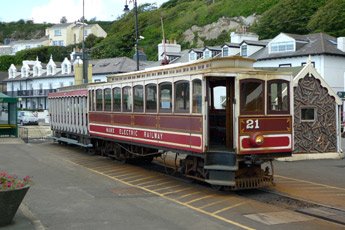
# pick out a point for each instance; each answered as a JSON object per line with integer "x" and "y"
{"x": 227, "y": 208}
{"x": 140, "y": 179}
{"x": 309, "y": 182}
{"x": 189, "y": 194}
{"x": 176, "y": 191}
{"x": 148, "y": 182}
{"x": 174, "y": 186}
{"x": 200, "y": 198}
{"x": 159, "y": 184}
{"x": 211, "y": 204}
{"x": 130, "y": 177}
{"x": 176, "y": 201}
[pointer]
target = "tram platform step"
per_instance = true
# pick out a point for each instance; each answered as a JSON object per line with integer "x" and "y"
{"x": 221, "y": 167}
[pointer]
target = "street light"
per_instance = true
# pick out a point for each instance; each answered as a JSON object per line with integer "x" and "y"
{"x": 126, "y": 10}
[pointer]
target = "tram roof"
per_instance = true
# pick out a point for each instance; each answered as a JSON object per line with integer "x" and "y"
{"x": 237, "y": 63}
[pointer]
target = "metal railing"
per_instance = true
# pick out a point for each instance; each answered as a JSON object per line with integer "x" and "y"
{"x": 34, "y": 133}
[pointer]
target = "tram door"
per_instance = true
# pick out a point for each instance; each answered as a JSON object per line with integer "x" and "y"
{"x": 220, "y": 109}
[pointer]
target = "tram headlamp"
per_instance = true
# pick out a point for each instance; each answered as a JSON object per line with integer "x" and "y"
{"x": 257, "y": 139}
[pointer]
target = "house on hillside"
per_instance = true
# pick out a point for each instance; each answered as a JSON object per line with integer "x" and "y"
{"x": 72, "y": 33}
{"x": 28, "y": 44}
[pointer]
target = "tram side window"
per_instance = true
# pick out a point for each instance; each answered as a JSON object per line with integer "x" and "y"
{"x": 117, "y": 99}
{"x": 127, "y": 99}
{"x": 197, "y": 96}
{"x": 99, "y": 100}
{"x": 91, "y": 100}
{"x": 278, "y": 96}
{"x": 182, "y": 97}
{"x": 107, "y": 99}
{"x": 138, "y": 98}
{"x": 165, "y": 97}
{"x": 252, "y": 96}
{"x": 151, "y": 98}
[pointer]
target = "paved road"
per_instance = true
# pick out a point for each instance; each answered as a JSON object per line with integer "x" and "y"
{"x": 69, "y": 196}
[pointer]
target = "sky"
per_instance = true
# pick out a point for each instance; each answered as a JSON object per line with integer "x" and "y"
{"x": 51, "y": 11}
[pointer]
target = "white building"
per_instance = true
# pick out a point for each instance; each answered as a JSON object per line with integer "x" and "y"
{"x": 33, "y": 80}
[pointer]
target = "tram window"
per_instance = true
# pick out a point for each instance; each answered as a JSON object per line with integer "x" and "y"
{"x": 151, "y": 98}
{"x": 91, "y": 100}
{"x": 117, "y": 99}
{"x": 107, "y": 99}
{"x": 219, "y": 97}
{"x": 197, "y": 95}
{"x": 278, "y": 96}
{"x": 99, "y": 100}
{"x": 182, "y": 97}
{"x": 252, "y": 97}
{"x": 165, "y": 97}
{"x": 138, "y": 98}
{"x": 127, "y": 99}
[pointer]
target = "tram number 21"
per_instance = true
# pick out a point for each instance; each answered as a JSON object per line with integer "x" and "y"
{"x": 252, "y": 124}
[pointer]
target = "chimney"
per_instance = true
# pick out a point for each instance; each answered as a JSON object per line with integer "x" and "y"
{"x": 341, "y": 43}
{"x": 236, "y": 37}
{"x": 170, "y": 47}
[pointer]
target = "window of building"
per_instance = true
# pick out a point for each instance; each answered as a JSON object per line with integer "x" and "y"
{"x": 277, "y": 47}
{"x": 278, "y": 96}
{"x": 127, "y": 99}
{"x": 107, "y": 99}
{"x": 252, "y": 99}
{"x": 244, "y": 50}
{"x": 138, "y": 92}
{"x": 99, "y": 100}
{"x": 197, "y": 96}
{"x": 151, "y": 98}
{"x": 182, "y": 97}
{"x": 192, "y": 56}
{"x": 207, "y": 54}
{"x": 308, "y": 114}
{"x": 304, "y": 63}
{"x": 225, "y": 51}
{"x": 57, "y": 32}
{"x": 61, "y": 84}
{"x": 117, "y": 99}
{"x": 285, "y": 65}
{"x": 165, "y": 97}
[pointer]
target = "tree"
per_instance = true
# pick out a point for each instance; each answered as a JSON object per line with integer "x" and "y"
{"x": 330, "y": 18}
{"x": 63, "y": 20}
{"x": 290, "y": 16}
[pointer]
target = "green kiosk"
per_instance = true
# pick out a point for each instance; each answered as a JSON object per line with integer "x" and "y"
{"x": 8, "y": 116}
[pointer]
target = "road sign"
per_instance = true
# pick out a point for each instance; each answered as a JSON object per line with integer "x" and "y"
{"x": 341, "y": 94}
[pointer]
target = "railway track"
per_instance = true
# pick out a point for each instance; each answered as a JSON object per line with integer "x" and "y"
{"x": 152, "y": 179}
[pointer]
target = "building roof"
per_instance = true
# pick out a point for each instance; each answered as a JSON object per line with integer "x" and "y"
{"x": 230, "y": 44}
{"x": 113, "y": 65}
{"x": 312, "y": 44}
{"x": 255, "y": 43}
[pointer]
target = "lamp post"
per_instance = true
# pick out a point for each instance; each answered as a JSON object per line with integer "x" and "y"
{"x": 85, "y": 77}
{"x": 126, "y": 10}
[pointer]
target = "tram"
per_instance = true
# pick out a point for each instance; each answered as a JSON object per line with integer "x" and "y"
{"x": 227, "y": 119}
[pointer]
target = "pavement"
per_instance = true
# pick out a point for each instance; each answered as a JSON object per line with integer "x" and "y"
{"x": 65, "y": 196}
{"x": 68, "y": 196}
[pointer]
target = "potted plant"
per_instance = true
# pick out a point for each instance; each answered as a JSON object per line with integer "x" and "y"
{"x": 12, "y": 192}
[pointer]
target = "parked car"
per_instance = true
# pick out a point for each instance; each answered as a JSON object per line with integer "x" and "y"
{"x": 27, "y": 118}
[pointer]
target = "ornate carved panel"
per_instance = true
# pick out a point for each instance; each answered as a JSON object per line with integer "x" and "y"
{"x": 318, "y": 135}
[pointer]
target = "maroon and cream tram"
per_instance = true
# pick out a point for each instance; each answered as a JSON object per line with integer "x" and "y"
{"x": 226, "y": 118}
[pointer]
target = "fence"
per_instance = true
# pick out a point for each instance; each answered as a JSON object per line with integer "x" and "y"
{"x": 34, "y": 133}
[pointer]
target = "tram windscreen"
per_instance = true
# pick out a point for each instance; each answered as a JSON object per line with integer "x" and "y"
{"x": 252, "y": 97}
